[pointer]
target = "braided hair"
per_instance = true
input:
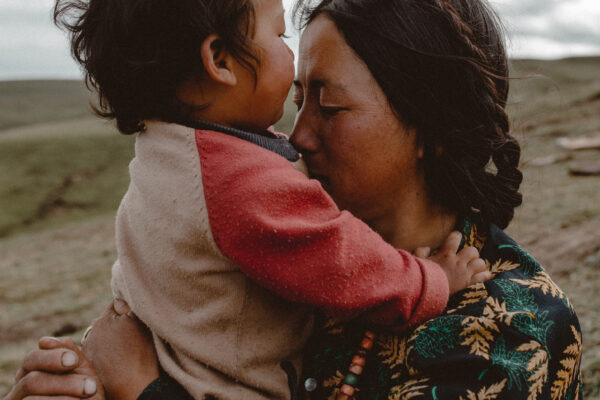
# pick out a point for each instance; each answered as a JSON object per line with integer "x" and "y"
{"x": 443, "y": 67}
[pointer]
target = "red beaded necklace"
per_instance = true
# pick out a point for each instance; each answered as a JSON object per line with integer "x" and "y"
{"x": 356, "y": 367}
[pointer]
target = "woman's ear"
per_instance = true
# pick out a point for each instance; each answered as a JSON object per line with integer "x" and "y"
{"x": 218, "y": 62}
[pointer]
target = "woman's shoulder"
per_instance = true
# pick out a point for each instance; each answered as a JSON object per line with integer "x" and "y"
{"x": 513, "y": 337}
{"x": 519, "y": 284}
{"x": 518, "y": 330}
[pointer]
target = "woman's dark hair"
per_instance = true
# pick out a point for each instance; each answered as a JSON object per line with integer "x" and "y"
{"x": 137, "y": 53}
{"x": 443, "y": 67}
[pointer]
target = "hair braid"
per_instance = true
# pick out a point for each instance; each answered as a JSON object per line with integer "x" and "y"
{"x": 504, "y": 149}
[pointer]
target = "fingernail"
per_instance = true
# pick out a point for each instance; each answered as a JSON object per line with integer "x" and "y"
{"x": 69, "y": 359}
{"x": 50, "y": 338}
{"x": 89, "y": 387}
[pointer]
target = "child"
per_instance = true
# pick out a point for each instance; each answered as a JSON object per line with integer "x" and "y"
{"x": 222, "y": 244}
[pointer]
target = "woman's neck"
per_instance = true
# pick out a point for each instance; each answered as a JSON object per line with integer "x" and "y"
{"x": 420, "y": 227}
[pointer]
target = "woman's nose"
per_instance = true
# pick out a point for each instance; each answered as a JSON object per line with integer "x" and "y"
{"x": 304, "y": 137}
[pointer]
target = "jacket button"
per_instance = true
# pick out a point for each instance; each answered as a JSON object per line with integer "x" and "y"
{"x": 310, "y": 384}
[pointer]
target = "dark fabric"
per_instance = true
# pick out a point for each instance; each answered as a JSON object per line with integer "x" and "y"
{"x": 289, "y": 369}
{"x": 164, "y": 388}
{"x": 267, "y": 140}
{"x": 514, "y": 337}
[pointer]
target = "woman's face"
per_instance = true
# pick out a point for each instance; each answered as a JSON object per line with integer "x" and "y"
{"x": 351, "y": 140}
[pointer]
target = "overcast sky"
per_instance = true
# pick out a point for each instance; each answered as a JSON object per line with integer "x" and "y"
{"x": 31, "y": 47}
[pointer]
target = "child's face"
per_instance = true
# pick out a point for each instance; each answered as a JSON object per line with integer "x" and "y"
{"x": 263, "y": 105}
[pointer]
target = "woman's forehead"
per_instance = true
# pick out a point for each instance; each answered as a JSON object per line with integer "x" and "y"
{"x": 325, "y": 58}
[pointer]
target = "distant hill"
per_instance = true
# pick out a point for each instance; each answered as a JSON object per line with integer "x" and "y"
{"x": 30, "y": 102}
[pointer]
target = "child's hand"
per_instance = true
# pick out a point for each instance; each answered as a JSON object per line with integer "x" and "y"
{"x": 462, "y": 269}
{"x": 57, "y": 370}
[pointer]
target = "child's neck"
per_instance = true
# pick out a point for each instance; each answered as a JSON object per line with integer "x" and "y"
{"x": 211, "y": 115}
{"x": 217, "y": 104}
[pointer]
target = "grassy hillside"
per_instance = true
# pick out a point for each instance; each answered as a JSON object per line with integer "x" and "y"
{"x": 63, "y": 173}
{"x": 30, "y": 102}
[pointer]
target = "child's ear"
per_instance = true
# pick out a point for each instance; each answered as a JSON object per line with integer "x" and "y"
{"x": 218, "y": 62}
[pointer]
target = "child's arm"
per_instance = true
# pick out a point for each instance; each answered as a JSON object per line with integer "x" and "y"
{"x": 288, "y": 235}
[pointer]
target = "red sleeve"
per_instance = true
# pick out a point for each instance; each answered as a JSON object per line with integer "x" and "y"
{"x": 285, "y": 232}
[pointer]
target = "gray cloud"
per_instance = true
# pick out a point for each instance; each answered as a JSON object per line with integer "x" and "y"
{"x": 31, "y": 46}
{"x": 532, "y": 8}
{"x": 551, "y": 28}
{"x": 563, "y": 33}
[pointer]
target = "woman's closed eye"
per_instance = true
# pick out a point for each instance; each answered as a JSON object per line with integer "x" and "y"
{"x": 330, "y": 111}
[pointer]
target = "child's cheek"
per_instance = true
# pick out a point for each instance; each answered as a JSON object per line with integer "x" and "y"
{"x": 281, "y": 66}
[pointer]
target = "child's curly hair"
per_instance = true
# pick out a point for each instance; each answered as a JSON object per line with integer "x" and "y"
{"x": 137, "y": 53}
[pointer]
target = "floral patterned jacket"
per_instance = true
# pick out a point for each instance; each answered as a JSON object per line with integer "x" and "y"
{"x": 513, "y": 337}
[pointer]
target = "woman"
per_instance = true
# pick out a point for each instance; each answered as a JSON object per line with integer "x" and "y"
{"x": 401, "y": 118}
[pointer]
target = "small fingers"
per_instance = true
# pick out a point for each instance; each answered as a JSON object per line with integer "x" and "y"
{"x": 476, "y": 265}
{"x": 469, "y": 254}
{"x": 121, "y": 307}
{"x": 451, "y": 243}
{"x": 422, "y": 252}
{"x": 481, "y": 277}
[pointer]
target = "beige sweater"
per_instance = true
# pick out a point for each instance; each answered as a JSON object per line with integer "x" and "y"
{"x": 216, "y": 331}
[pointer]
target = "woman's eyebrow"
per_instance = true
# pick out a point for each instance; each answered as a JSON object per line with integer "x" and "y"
{"x": 323, "y": 83}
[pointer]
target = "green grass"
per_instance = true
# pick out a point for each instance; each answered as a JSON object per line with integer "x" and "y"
{"x": 53, "y": 180}
{"x": 30, "y": 102}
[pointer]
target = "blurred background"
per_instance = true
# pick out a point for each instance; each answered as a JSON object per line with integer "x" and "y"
{"x": 63, "y": 171}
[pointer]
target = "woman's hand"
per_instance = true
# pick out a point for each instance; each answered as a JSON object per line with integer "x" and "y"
{"x": 122, "y": 352}
{"x": 58, "y": 370}
{"x": 463, "y": 268}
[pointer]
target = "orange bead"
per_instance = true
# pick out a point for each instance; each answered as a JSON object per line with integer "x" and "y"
{"x": 366, "y": 344}
{"x": 358, "y": 360}
{"x": 347, "y": 390}
{"x": 356, "y": 369}
{"x": 370, "y": 335}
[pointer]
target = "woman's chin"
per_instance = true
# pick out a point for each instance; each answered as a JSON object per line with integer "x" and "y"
{"x": 323, "y": 180}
